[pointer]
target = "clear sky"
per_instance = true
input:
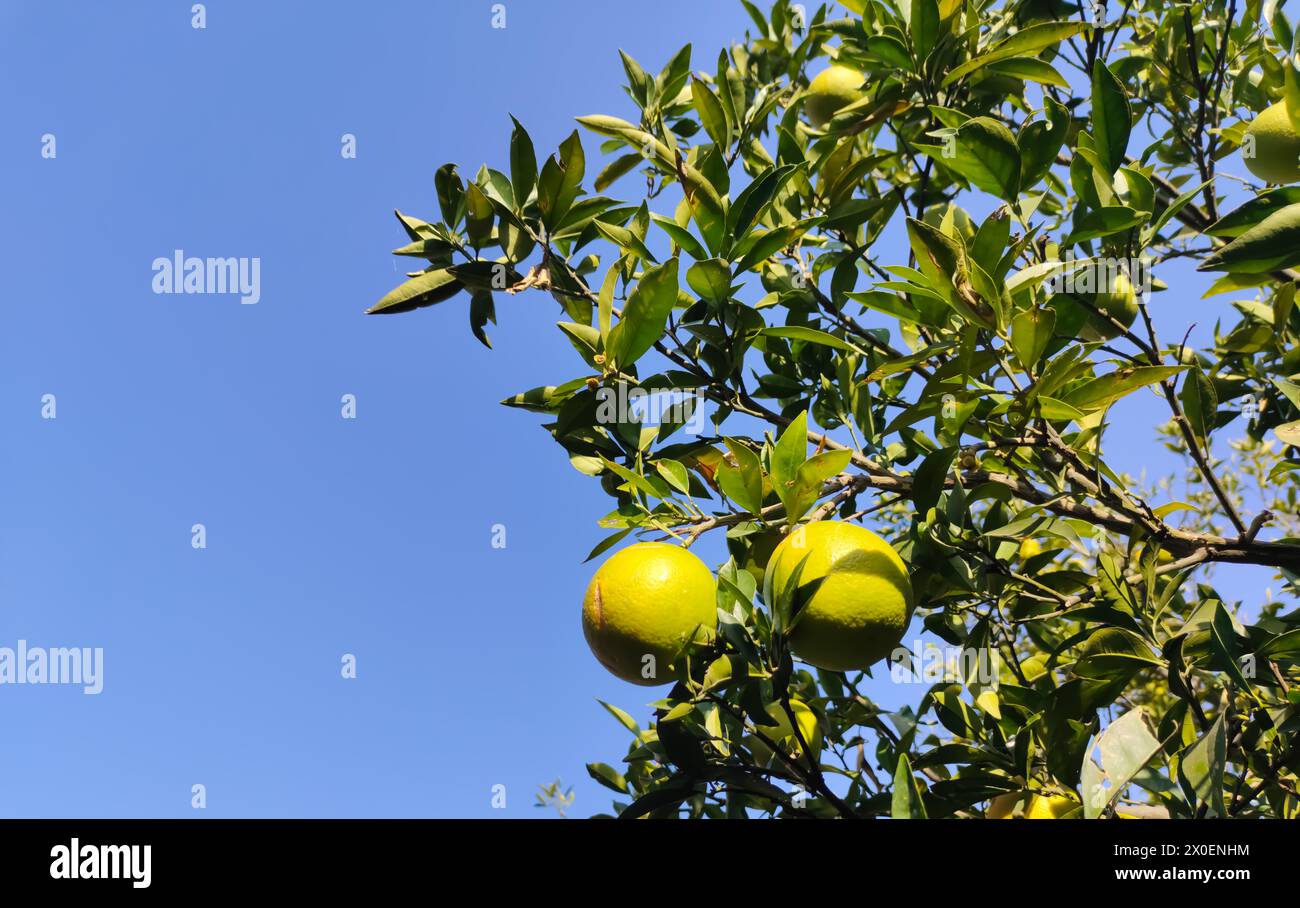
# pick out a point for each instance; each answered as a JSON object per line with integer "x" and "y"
{"x": 325, "y": 536}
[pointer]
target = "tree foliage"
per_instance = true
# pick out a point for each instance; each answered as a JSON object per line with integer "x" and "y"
{"x": 953, "y": 396}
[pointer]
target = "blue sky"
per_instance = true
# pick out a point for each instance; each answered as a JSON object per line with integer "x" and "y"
{"x": 325, "y": 536}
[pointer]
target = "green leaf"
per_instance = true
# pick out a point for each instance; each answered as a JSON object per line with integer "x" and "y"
{"x": 1223, "y": 642}
{"x": 1031, "y": 332}
{"x": 1201, "y": 767}
{"x": 1288, "y": 433}
{"x": 645, "y": 314}
{"x": 560, "y": 180}
{"x": 684, "y": 239}
{"x": 1272, "y": 244}
{"x": 1101, "y": 392}
{"x": 712, "y": 116}
{"x": 930, "y": 478}
{"x": 606, "y": 544}
{"x": 1029, "y": 69}
{"x": 639, "y": 482}
{"x": 451, "y": 194}
{"x": 809, "y": 335}
{"x": 1175, "y": 206}
{"x": 523, "y": 164}
{"x": 1239, "y": 220}
{"x": 1111, "y": 119}
{"x": 765, "y": 245}
{"x": 1040, "y": 142}
{"x": 424, "y": 290}
{"x": 710, "y": 279}
{"x": 1106, "y": 221}
{"x": 890, "y": 50}
{"x": 906, "y": 803}
{"x": 791, "y": 449}
{"x": 1289, "y": 389}
{"x": 1200, "y": 403}
{"x": 1172, "y": 507}
{"x": 742, "y": 483}
{"x": 479, "y": 215}
{"x": 624, "y": 239}
{"x": 539, "y": 400}
{"x": 608, "y": 776}
{"x": 1127, "y": 745}
{"x": 620, "y": 166}
{"x": 481, "y": 311}
{"x": 623, "y": 718}
{"x": 755, "y": 197}
{"x": 924, "y": 26}
{"x": 987, "y": 155}
{"x": 824, "y": 466}
{"x": 1027, "y": 42}
{"x": 675, "y": 473}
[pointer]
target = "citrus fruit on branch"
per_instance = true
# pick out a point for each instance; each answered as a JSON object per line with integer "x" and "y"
{"x": 854, "y": 598}
{"x": 643, "y": 605}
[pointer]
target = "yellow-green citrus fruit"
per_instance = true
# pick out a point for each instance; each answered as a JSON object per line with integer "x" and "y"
{"x": 1120, "y": 303}
{"x": 832, "y": 90}
{"x": 1029, "y": 548}
{"x": 1032, "y": 668}
{"x": 1003, "y": 806}
{"x": 862, "y": 602}
{"x": 1276, "y": 155}
{"x": 783, "y": 732}
{"x": 647, "y": 600}
{"x": 1041, "y": 807}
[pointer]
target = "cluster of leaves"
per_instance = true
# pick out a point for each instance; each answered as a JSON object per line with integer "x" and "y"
{"x": 949, "y": 399}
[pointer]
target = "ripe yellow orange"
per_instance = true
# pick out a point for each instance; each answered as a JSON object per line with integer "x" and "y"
{"x": 859, "y": 598}
{"x": 1029, "y": 548}
{"x": 1003, "y": 806}
{"x": 1276, "y": 151}
{"x": 830, "y": 91}
{"x": 643, "y": 605}
{"x": 1041, "y": 807}
{"x": 1037, "y": 807}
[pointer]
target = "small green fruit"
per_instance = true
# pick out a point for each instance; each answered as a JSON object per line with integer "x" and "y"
{"x": 1120, "y": 303}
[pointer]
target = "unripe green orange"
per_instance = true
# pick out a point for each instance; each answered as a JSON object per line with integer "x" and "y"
{"x": 859, "y": 598}
{"x": 759, "y": 554}
{"x": 783, "y": 732}
{"x": 1276, "y": 155}
{"x": 642, "y": 605}
{"x": 832, "y": 90}
{"x": 1120, "y": 303}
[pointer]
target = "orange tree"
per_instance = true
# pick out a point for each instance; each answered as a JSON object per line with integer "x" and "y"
{"x": 953, "y": 394}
